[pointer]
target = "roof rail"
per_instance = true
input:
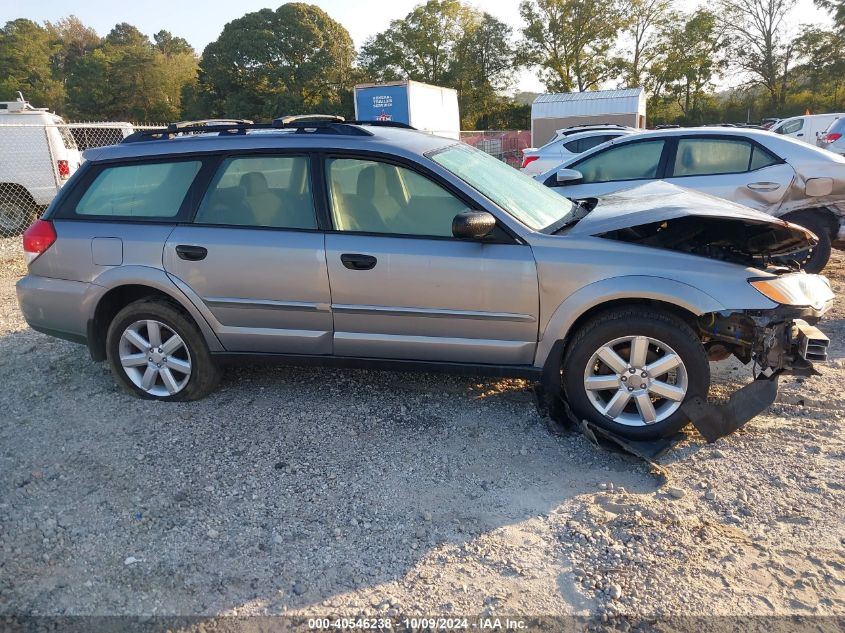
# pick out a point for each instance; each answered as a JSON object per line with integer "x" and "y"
{"x": 299, "y": 124}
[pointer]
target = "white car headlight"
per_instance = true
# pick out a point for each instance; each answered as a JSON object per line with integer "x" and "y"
{"x": 797, "y": 289}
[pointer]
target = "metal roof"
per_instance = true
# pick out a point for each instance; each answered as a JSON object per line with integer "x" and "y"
{"x": 589, "y": 95}
{"x": 591, "y": 103}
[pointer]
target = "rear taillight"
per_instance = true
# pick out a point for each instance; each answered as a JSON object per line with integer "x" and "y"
{"x": 64, "y": 169}
{"x": 528, "y": 160}
{"x": 38, "y": 238}
{"x": 830, "y": 138}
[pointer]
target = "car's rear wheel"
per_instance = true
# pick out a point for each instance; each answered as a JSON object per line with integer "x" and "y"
{"x": 631, "y": 369}
{"x": 17, "y": 211}
{"x": 157, "y": 352}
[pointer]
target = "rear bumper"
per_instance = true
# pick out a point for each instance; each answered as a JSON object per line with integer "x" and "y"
{"x": 55, "y": 306}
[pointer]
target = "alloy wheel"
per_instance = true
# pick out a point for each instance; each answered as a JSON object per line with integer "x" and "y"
{"x": 155, "y": 358}
{"x": 636, "y": 380}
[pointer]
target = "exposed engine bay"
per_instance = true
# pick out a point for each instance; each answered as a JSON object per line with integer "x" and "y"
{"x": 740, "y": 241}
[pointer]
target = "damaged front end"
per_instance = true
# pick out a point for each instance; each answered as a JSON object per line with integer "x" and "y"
{"x": 782, "y": 341}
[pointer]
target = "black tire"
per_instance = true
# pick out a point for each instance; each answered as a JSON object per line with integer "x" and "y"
{"x": 205, "y": 373}
{"x": 815, "y": 259}
{"x": 17, "y": 210}
{"x": 634, "y": 321}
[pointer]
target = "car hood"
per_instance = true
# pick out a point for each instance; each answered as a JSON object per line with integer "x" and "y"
{"x": 656, "y": 204}
{"x": 667, "y": 216}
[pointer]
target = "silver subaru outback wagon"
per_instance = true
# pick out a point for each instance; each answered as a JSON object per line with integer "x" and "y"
{"x": 320, "y": 241}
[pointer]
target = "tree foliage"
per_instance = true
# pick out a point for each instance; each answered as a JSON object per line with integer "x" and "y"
{"x": 571, "y": 41}
{"x": 271, "y": 63}
{"x": 26, "y": 52}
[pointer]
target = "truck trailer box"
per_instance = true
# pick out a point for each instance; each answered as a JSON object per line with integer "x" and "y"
{"x": 425, "y": 107}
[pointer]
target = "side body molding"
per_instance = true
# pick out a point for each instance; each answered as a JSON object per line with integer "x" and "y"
{"x": 159, "y": 280}
{"x": 614, "y": 288}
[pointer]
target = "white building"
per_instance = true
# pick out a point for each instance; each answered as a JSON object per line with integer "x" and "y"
{"x": 550, "y": 112}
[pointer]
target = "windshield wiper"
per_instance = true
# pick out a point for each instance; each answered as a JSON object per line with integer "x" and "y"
{"x": 583, "y": 209}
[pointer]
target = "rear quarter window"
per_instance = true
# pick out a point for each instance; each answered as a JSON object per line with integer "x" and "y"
{"x": 149, "y": 190}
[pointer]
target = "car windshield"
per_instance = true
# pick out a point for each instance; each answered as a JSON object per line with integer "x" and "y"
{"x": 533, "y": 204}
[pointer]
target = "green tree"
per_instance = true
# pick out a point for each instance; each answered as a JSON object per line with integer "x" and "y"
{"x": 26, "y": 53}
{"x": 73, "y": 42}
{"x": 761, "y": 47}
{"x": 690, "y": 57}
{"x": 271, "y": 63}
{"x": 835, "y": 7}
{"x": 822, "y": 70}
{"x": 421, "y": 46}
{"x": 647, "y": 19}
{"x": 571, "y": 41}
{"x": 128, "y": 77}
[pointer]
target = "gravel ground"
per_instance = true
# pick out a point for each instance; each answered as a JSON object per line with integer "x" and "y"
{"x": 311, "y": 491}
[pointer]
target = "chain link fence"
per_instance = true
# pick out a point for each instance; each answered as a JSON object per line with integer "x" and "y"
{"x": 36, "y": 159}
{"x": 506, "y": 145}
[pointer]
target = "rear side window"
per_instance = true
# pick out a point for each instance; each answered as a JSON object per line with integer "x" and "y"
{"x": 267, "y": 191}
{"x": 589, "y": 142}
{"x": 150, "y": 190}
{"x": 633, "y": 161}
{"x": 711, "y": 156}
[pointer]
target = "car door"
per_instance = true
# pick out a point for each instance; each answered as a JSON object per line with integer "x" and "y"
{"x": 614, "y": 168}
{"x": 255, "y": 258}
{"x": 404, "y": 288}
{"x": 734, "y": 168}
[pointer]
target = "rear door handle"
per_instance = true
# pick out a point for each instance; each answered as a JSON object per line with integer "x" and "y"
{"x": 764, "y": 186}
{"x": 191, "y": 253}
{"x": 356, "y": 261}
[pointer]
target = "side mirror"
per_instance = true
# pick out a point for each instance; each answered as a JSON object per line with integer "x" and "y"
{"x": 568, "y": 176}
{"x": 473, "y": 225}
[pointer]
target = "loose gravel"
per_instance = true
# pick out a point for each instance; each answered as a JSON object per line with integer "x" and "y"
{"x": 316, "y": 491}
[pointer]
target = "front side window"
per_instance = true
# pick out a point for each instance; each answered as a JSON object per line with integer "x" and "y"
{"x": 633, "y": 161}
{"x": 150, "y": 190}
{"x": 790, "y": 127}
{"x": 376, "y": 197}
{"x": 265, "y": 191}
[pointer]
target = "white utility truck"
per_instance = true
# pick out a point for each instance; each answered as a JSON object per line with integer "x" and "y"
{"x": 37, "y": 156}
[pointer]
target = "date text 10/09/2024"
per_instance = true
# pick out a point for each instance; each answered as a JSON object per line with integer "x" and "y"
{"x": 418, "y": 624}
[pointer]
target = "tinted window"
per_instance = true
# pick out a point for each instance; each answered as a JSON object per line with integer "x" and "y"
{"x": 271, "y": 191}
{"x": 790, "y": 127}
{"x": 632, "y": 161}
{"x": 710, "y": 156}
{"x": 151, "y": 190}
{"x": 706, "y": 156}
{"x": 761, "y": 158}
{"x": 381, "y": 198}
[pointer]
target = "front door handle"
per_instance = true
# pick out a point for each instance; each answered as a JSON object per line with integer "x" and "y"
{"x": 191, "y": 253}
{"x": 764, "y": 186}
{"x": 356, "y": 261}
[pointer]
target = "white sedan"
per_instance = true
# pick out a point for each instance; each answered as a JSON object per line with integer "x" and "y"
{"x": 568, "y": 142}
{"x": 772, "y": 173}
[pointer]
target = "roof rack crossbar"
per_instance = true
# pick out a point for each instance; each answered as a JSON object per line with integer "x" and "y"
{"x": 298, "y": 124}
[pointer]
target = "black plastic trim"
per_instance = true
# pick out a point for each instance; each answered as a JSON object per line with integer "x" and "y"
{"x": 356, "y": 362}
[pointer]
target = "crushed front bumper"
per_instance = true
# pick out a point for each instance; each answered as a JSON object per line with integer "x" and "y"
{"x": 777, "y": 341}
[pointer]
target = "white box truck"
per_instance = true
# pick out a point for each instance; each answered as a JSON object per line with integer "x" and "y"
{"x": 425, "y": 107}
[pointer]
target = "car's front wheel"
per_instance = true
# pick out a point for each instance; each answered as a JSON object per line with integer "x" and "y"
{"x": 630, "y": 370}
{"x": 157, "y": 352}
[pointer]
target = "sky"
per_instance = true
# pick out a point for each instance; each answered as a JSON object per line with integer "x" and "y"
{"x": 201, "y": 22}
